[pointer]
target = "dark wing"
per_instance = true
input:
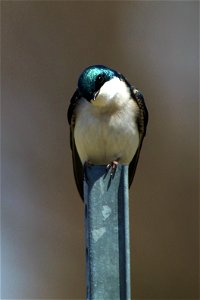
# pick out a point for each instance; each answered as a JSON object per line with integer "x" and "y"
{"x": 142, "y": 125}
{"x": 77, "y": 165}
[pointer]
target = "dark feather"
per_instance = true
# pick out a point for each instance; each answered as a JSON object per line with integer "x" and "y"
{"x": 73, "y": 102}
{"x": 77, "y": 164}
{"x": 142, "y": 121}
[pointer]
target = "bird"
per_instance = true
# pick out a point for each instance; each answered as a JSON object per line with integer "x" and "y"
{"x": 108, "y": 120}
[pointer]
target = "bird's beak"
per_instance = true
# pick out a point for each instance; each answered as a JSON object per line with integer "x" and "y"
{"x": 95, "y": 95}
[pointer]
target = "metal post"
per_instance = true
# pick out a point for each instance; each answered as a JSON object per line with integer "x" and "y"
{"x": 107, "y": 233}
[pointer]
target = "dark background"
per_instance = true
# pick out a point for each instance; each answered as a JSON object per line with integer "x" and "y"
{"x": 45, "y": 46}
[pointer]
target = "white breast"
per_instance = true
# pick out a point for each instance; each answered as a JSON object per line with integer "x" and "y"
{"x": 106, "y": 129}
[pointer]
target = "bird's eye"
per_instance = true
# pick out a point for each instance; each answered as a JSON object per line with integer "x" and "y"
{"x": 99, "y": 81}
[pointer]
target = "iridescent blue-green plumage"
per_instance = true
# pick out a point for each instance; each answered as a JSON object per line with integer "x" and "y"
{"x": 93, "y": 78}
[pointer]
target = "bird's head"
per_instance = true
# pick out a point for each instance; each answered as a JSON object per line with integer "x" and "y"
{"x": 98, "y": 84}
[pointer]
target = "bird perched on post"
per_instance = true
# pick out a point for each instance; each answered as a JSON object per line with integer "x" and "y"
{"x": 108, "y": 119}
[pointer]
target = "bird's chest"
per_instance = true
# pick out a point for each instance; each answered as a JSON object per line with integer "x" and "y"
{"x": 104, "y": 137}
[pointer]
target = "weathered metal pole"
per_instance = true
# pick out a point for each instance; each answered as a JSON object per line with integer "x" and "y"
{"x": 107, "y": 233}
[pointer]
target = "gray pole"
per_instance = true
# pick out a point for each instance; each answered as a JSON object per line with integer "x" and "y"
{"x": 107, "y": 233}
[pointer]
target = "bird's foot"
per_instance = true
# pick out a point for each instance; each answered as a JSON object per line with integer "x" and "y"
{"x": 112, "y": 167}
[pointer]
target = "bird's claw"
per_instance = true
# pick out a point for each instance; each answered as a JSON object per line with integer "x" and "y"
{"x": 112, "y": 167}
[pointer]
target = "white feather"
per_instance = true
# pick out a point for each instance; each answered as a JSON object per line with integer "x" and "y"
{"x": 106, "y": 128}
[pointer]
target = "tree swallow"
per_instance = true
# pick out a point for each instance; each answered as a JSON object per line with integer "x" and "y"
{"x": 108, "y": 119}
